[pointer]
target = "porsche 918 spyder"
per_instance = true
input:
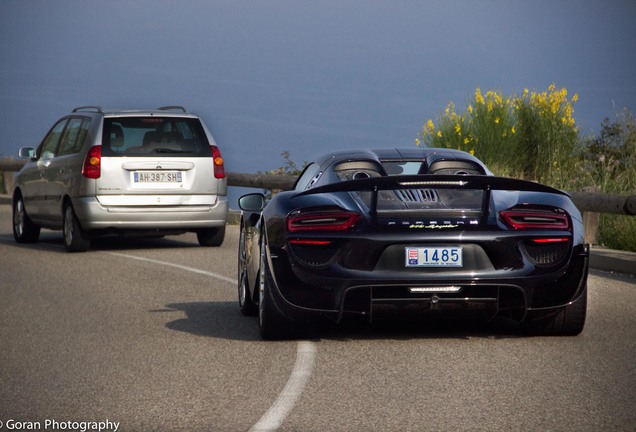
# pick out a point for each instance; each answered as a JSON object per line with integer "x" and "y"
{"x": 399, "y": 232}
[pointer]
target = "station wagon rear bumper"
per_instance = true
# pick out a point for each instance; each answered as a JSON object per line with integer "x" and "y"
{"x": 93, "y": 215}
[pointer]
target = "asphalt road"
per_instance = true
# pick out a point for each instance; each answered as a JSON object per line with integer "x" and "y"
{"x": 146, "y": 334}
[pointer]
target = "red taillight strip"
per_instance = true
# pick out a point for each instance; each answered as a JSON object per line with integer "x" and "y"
{"x": 93, "y": 163}
{"x": 310, "y": 242}
{"x": 219, "y": 169}
{"x": 322, "y": 221}
{"x": 526, "y": 219}
{"x": 550, "y": 240}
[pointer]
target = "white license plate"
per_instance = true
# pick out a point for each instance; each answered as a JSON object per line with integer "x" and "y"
{"x": 434, "y": 256}
{"x": 157, "y": 177}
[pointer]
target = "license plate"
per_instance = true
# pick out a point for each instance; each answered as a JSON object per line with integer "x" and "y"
{"x": 434, "y": 257}
{"x": 157, "y": 177}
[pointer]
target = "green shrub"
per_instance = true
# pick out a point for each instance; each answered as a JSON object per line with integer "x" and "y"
{"x": 617, "y": 232}
{"x": 609, "y": 161}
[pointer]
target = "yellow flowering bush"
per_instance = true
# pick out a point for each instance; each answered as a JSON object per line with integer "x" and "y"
{"x": 534, "y": 136}
{"x": 549, "y": 139}
{"x": 518, "y": 136}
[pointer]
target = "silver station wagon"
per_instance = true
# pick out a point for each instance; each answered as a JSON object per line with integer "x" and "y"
{"x": 96, "y": 172}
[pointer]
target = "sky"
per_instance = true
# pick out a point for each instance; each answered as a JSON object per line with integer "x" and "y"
{"x": 307, "y": 77}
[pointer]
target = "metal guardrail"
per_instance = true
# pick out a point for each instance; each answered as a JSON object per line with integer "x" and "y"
{"x": 585, "y": 201}
{"x": 280, "y": 182}
{"x": 11, "y": 164}
{"x": 604, "y": 203}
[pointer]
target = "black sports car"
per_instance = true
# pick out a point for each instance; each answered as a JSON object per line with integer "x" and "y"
{"x": 421, "y": 231}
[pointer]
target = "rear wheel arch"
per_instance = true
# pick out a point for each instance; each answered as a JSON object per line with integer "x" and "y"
{"x": 568, "y": 320}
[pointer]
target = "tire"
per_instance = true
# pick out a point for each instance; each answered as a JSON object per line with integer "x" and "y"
{"x": 208, "y": 237}
{"x": 246, "y": 304}
{"x": 24, "y": 230}
{"x": 567, "y": 321}
{"x": 75, "y": 238}
{"x": 272, "y": 323}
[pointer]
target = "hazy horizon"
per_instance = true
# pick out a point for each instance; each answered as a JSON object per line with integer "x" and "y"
{"x": 306, "y": 76}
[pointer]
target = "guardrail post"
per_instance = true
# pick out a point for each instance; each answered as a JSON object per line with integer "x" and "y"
{"x": 8, "y": 168}
{"x": 7, "y": 177}
{"x": 591, "y": 220}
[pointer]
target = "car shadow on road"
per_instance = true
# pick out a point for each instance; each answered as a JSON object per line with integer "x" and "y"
{"x": 224, "y": 320}
{"x": 53, "y": 241}
{"x": 214, "y": 319}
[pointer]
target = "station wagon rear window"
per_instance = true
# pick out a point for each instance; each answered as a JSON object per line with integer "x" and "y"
{"x": 154, "y": 136}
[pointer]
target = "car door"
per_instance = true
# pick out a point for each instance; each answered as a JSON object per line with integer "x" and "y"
{"x": 34, "y": 176}
{"x": 65, "y": 167}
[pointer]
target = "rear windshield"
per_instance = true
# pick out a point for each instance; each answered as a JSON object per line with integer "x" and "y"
{"x": 154, "y": 136}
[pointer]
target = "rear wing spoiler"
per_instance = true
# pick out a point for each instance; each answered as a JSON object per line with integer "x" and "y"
{"x": 435, "y": 181}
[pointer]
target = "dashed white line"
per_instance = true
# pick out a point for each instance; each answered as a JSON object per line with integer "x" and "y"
{"x": 287, "y": 398}
{"x": 179, "y": 266}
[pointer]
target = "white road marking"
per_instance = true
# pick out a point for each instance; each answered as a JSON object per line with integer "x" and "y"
{"x": 305, "y": 358}
{"x": 274, "y": 417}
{"x": 182, "y": 267}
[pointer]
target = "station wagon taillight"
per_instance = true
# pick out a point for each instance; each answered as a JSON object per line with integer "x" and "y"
{"x": 93, "y": 163}
{"x": 219, "y": 169}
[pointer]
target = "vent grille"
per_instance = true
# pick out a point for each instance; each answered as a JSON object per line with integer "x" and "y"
{"x": 418, "y": 195}
{"x": 547, "y": 254}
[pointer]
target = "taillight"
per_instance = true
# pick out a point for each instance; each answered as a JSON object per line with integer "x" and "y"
{"x": 93, "y": 163}
{"x": 550, "y": 240}
{"x": 310, "y": 242}
{"x": 519, "y": 219}
{"x": 543, "y": 251}
{"x": 219, "y": 170}
{"x": 331, "y": 220}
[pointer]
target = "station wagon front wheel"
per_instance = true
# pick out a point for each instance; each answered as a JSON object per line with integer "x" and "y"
{"x": 24, "y": 230}
{"x": 76, "y": 239}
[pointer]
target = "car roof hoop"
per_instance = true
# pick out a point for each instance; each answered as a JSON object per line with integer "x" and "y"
{"x": 96, "y": 108}
{"x": 173, "y": 108}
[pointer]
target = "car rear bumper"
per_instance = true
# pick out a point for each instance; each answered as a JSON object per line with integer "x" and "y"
{"x": 95, "y": 216}
{"x": 301, "y": 294}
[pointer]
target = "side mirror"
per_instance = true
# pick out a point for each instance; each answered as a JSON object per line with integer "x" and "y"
{"x": 252, "y": 202}
{"x": 26, "y": 153}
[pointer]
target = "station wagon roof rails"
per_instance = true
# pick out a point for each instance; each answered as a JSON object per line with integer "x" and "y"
{"x": 172, "y": 108}
{"x": 96, "y": 108}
